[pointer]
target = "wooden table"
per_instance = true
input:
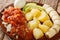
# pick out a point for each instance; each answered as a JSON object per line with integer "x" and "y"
{"x": 53, "y": 3}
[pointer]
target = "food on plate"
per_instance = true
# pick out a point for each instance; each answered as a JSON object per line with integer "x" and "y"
{"x": 33, "y": 24}
{"x": 52, "y": 31}
{"x": 43, "y": 17}
{"x": 33, "y": 13}
{"x": 19, "y": 3}
{"x": 44, "y": 28}
{"x": 37, "y": 33}
{"x": 16, "y": 24}
{"x": 29, "y": 21}
{"x": 48, "y": 23}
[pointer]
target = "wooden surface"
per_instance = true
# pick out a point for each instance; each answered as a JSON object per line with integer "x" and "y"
{"x": 53, "y": 3}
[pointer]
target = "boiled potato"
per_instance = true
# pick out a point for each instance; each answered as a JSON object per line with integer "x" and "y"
{"x": 44, "y": 28}
{"x": 35, "y": 12}
{"x": 37, "y": 33}
{"x": 50, "y": 33}
{"x": 43, "y": 17}
{"x": 48, "y": 23}
{"x": 29, "y": 16}
{"x": 33, "y": 24}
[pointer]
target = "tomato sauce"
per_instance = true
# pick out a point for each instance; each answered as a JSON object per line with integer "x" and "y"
{"x": 15, "y": 17}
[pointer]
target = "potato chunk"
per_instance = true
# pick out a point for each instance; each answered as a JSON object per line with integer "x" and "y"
{"x": 43, "y": 17}
{"x": 35, "y": 12}
{"x": 48, "y": 23}
{"x": 29, "y": 16}
{"x": 37, "y": 33}
{"x": 44, "y": 28}
{"x": 34, "y": 23}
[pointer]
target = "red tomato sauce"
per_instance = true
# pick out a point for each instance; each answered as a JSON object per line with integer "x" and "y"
{"x": 15, "y": 17}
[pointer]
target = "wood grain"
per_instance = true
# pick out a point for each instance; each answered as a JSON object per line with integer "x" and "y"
{"x": 52, "y": 3}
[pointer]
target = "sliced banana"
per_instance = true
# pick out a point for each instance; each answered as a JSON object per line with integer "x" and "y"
{"x": 45, "y": 6}
{"x": 50, "y": 33}
{"x": 53, "y": 13}
{"x": 56, "y": 28}
{"x": 57, "y": 22}
{"x": 49, "y": 9}
{"x": 55, "y": 18}
{"x": 19, "y": 3}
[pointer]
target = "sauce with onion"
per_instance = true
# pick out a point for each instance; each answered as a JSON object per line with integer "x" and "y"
{"x": 15, "y": 17}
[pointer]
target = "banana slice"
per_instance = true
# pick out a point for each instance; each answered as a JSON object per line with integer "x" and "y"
{"x": 49, "y": 9}
{"x": 57, "y": 22}
{"x": 45, "y": 6}
{"x": 56, "y": 28}
{"x": 53, "y": 13}
{"x": 19, "y": 3}
{"x": 37, "y": 33}
{"x": 50, "y": 33}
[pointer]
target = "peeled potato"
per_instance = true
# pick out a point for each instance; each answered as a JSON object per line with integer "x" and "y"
{"x": 33, "y": 24}
{"x": 29, "y": 16}
{"x": 50, "y": 33}
{"x": 44, "y": 28}
{"x": 37, "y": 33}
{"x": 48, "y": 23}
{"x": 43, "y": 17}
{"x": 19, "y": 3}
{"x": 35, "y": 12}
